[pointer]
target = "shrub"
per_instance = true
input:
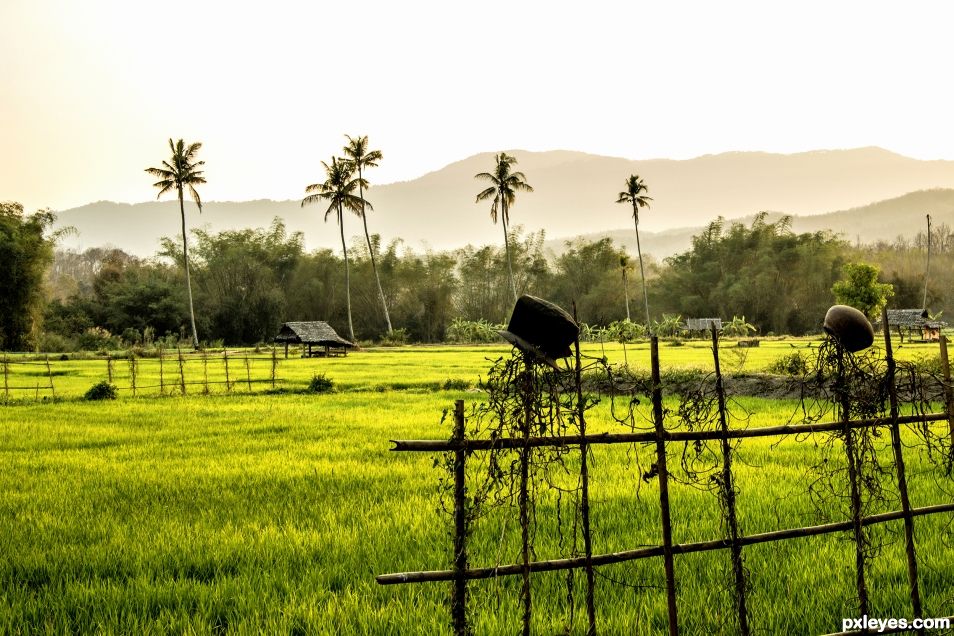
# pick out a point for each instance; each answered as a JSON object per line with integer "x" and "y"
{"x": 55, "y": 343}
{"x": 101, "y": 391}
{"x": 98, "y": 339}
{"x": 794, "y": 363}
{"x": 396, "y": 338}
{"x": 456, "y": 384}
{"x": 321, "y": 383}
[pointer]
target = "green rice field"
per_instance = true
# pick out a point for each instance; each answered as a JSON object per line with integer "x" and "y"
{"x": 271, "y": 511}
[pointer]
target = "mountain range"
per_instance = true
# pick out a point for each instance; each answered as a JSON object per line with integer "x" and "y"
{"x": 865, "y": 194}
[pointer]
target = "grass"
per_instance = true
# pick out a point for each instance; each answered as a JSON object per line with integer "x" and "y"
{"x": 257, "y": 513}
{"x": 414, "y": 368}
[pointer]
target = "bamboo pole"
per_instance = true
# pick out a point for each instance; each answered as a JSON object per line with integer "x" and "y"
{"x": 439, "y": 445}
{"x": 585, "y": 494}
{"x": 948, "y": 391}
{"x": 854, "y": 486}
{"x": 162, "y": 379}
{"x": 663, "y": 472}
{"x": 528, "y": 387}
{"x": 459, "y": 596}
{"x": 516, "y": 569}
{"x": 902, "y": 478}
{"x": 728, "y": 494}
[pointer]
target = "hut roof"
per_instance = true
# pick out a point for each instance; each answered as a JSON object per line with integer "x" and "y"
{"x": 912, "y": 318}
{"x": 315, "y": 332}
{"x": 703, "y": 324}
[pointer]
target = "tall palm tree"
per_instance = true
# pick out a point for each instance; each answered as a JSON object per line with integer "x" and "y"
{"x": 635, "y": 194}
{"x": 357, "y": 154}
{"x": 179, "y": 173}
{"x": 338, "y": 190}
{"x": 503, "y": 191}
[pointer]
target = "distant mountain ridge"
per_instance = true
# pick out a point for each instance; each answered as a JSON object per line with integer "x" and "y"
{"x": 880, "y": 221}
{"x": 574, "y": 194}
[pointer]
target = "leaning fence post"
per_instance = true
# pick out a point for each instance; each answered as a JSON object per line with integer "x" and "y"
{"x": 853, "y": 478}
{"x": 663, "y": 472}
{"x": 728, "y": 492}
{"x": 948, "y": 392}
{"x": 459, "y": 596}
{"x": 899, "y": 467}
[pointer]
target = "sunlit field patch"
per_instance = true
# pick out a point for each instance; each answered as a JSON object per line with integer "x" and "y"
{"x": 272, "y": 513}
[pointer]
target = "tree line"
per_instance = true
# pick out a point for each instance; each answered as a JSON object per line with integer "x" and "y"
{"x": 247, "y": 282}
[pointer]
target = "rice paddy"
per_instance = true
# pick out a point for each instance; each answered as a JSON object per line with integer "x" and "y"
{"x": 272, "y": 512}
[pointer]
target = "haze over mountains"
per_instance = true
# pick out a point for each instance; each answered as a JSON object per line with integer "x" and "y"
{"x": 866, "y": 194}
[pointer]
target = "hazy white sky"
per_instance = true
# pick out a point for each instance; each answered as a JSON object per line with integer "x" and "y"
{"x": 91, "y": 90}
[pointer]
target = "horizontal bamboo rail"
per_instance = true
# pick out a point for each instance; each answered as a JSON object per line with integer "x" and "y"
{"x": 654, "y": 551}
{"x": 437, "y": 445}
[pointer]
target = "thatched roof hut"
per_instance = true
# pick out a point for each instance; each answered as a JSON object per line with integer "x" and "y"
{"x": 914, "y": 321}
{"x": 314, "y": 333}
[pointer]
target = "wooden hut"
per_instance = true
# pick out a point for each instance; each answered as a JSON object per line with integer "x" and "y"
{"x": 702, "y": 325}
{"x": 916, "y": 323}
{"x": 315, "y": 333}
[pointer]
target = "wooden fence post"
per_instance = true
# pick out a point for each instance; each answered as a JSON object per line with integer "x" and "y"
{"x": 109, "y": 367}
{"x": 728, "y": 493}
{"x": 182, "y": 383}
{"x": 205, "y": 372}
{"x": 663, "y": 473}
{"x": 900, "y": 470}
{"x": 274, "y": 364}
{"x": 162, "y": 379}
{"x": 6, "y": 378}
{"x": 844, "y": 401}
{"x": 585, "y": 489}
{"x": 225, "y": 359}
{"x": 49, "y": 375}
{"x": 459, "y": 596}
{"x": 248, "y": 373}
{"x": 132, "y": 371}
{"x": 948, "y": 392}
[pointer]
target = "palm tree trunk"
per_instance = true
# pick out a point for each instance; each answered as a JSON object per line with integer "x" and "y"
{"x": 344, "y": 250}
{"x": 374, "y": 265}
{"x": 185, "y": 262}
{"x": 642, "y": 272}
{"x": 513, "y": 287}
{"x": 626, "y": 293}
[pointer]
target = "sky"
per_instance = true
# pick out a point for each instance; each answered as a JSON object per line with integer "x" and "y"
{"x": 91, "y": 91}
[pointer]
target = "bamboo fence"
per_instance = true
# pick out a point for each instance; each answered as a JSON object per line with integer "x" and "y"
{"x": 462, "y": 572}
